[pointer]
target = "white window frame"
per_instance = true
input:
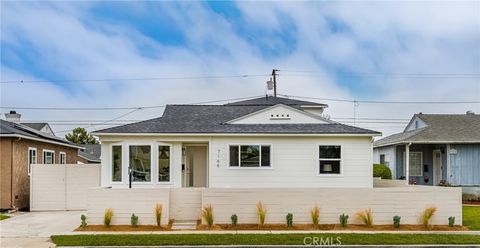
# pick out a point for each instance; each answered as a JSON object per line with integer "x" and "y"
{"x": 156, "y": 161}
{"x": 53, "y": 155}
{"x": 122, "y": 165}
{"x": 260, "y": 167}
{"x": 31, "y": 162}
{"x": 64, "y": 157}
{"x": 421, "y": 164}
{"x": 153, "y": 160}
{"x": 317, "y": 156}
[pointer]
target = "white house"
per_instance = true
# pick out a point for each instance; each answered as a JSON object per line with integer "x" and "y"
{"x": 263, "y": 142}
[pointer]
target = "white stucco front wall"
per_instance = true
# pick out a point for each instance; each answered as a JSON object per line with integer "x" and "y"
{"x": 294, "y": 161}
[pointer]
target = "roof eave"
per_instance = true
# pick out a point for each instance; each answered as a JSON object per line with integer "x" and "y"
{"x": 241, "y": 134}
{"x": 40, "y": 139}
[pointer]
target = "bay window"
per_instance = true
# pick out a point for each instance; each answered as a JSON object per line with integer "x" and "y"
{"x": 330, "y": 160}
{"x": 140, "y": 162}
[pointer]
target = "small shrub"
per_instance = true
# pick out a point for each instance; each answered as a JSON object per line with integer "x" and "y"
{"x": 289, "y": 219}
{"x": 315, "y": 215}
{"x": 83, "y": 218}
{"x": 158, "y": 213}
{"x": 470, "y": 197}
{"x": 134, "y": 220}
{"x": 426, "y": 216}
{"x": 107, "y": 217}
{"x": 396, "y": 221}
{"x": 451, "y": 221}
{"x": 343, "y": 220}
{"x": 365, "y": 216}
{"x": 382, "y": 171}
{"x": 234, "y": 219}
{"x": 261, "y": 213}
{"x": 207, "y": 214}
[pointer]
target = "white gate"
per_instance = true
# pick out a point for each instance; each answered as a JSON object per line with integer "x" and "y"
{"x": 62, "y": 186}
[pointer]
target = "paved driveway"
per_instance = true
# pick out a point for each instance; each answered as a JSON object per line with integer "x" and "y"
{"x": 34, "y": 229}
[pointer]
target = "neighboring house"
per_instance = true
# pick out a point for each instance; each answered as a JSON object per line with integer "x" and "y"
{"x": 40, "y": 126}
{"x": 262, "y": 142}
{"x": 434, "y": 149}
{"x": 90, "y": 154}
{"x": 21, "y": 146}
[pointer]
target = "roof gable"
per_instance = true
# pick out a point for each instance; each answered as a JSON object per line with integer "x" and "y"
{"x": 279, "y": 114}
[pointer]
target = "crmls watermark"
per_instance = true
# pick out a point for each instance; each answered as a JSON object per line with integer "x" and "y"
{"x": 322, "y": 241}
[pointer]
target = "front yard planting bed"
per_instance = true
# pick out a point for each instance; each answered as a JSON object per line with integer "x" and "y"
{"x": 122, "y": 228}
{"x": 260, "y": 239}
{"x": 309, "y": 227}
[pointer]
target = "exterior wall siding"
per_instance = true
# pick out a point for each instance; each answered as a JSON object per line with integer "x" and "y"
{"x": 465, "y": 164}
{"x": 390, "y": 158}
{"x": 19, "y": 188}
{"x": 294, "y": 163}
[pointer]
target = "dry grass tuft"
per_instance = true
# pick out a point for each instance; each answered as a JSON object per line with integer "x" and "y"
{"x": 261, "y": 213}
{"x": 107, "y": 217}
{"x": 207, "y": 214}
{"x": 315, "y": 215}
{"x": 365, "y": 216}
{"x": 158, "y": 213}
{"x": 426, "y": 217}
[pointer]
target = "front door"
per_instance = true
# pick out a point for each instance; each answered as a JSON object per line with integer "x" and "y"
{"x": 437, "y": 167}
{"x": 195, "y": 173}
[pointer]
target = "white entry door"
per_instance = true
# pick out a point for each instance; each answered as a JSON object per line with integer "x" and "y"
{"x": 437, "y": 167}
{"x": 195, "y": 174}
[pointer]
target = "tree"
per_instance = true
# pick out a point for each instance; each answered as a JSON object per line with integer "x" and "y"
{"x": 80, "y": 136}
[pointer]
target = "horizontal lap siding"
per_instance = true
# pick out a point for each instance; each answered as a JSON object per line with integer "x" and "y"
{"x": 126, "y": 202}
{"x": 294, "y": 163}
{"x": 385, "y": 202}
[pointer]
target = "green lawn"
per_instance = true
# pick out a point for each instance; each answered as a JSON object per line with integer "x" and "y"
{"x": 2, "y": 217}
{"x": 471, "y": 217}
{"x": 259, "y": 239}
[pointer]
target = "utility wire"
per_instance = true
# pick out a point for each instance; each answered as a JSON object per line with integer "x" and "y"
{"x": 381, "y": 102}
{"x": 19, "y": 81}
{"x": 375, "y": 74}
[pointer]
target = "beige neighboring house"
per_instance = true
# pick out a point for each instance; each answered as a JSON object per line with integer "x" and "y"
{"x": 22, "y": 145}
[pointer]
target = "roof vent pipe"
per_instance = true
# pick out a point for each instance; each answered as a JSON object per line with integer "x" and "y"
{"x": 13, "y": 116}
{"x": 469, "y": 112}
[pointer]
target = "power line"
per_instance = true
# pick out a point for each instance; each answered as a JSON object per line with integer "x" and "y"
{"x": 116, "y": 108}
{"x": 19, "y": 81}
{"x": 381, "y": 102}
{"x": 376, "y": 74}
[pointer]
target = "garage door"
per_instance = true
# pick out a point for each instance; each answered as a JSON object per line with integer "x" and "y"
{"x": 62, "y": 186}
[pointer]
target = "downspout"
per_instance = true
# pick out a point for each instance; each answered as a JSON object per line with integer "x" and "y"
{"x": 407, "y": 162}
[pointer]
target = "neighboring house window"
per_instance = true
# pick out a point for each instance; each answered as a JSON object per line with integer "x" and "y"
{"x": 32, "y": 158}
{"x": 48, "y": 157}
{"x": 382, "y": 158}
{"x": 330, "y": 160}
{"x": 63, "y": 158}
{"x": 140, "y": 163}
{"x": 116, "y": 163}
{"x": 164, "y": 163}
{"x": 415, "y": 163}
{"x": 250, "y": 156}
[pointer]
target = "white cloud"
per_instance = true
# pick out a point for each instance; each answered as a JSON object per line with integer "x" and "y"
{"x": 392, "y": 37}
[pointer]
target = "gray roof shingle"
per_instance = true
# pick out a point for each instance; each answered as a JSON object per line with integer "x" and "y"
{"x": 11, "y": 128}
{"x": 213, "y": 118}
{"x": 440, "y": 128}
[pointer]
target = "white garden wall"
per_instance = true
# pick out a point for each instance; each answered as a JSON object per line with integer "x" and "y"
{"x": 407, "y": 202}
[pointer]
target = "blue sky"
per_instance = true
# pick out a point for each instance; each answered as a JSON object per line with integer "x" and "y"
{"x": 345, "y": 50}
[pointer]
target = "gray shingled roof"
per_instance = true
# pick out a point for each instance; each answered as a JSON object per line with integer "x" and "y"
{"x": 440, "y": 128}
{"x": 8, "y": 128}
{"x": 91, "y": 152}
{"x": 213, "y": 118}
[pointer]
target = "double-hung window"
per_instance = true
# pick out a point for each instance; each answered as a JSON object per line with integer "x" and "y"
{"x": 48, "y": 157}
{"x": 250, "y": 156}
{"x": 330, "y": 160}
{"x": 63, "y": 158}
{"x": 415, "y": 161}
{"x": 32, "y": 158}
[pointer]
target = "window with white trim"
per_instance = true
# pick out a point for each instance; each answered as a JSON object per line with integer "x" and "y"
{"x": 163, "y": 163}
{"x": 32, "y": 158}
{"x": 330, "y": 160}
{"x": 63, "y": 158}
{"x": 116, "y": 163}
{"x": 48, "y": 157}
{"x": 416, "y": 161}
{"x": 250, "y": 155}
{"x": 140, "y": 157}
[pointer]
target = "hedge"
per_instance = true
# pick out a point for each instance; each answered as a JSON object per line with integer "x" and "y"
{"x": 381, "y": 170}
